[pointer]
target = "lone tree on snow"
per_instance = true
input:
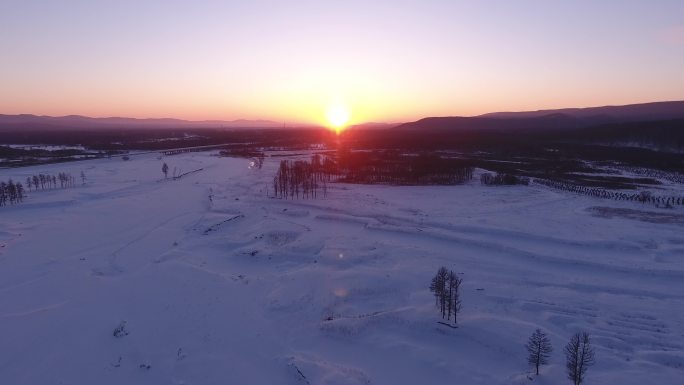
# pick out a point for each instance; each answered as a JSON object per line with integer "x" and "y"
{"x": 165, "y": 170}
{"x": 539, "y": 349}
{"x": 446, "y": 287}
{"x": 579, "y": 356}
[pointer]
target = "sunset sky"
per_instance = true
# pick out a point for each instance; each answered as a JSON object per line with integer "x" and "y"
{"x": 291, "y": 60}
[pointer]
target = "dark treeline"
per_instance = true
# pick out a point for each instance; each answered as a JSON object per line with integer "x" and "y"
{"x": 395, "y": 168}
{"x": 16, "y": 157}
{"x": 532, "y": 154}
{"x": 501, "y": 179}
{"x": 11, "y": 153}
{"x": 643, "y": 196}
{"x": 119, "y": 139}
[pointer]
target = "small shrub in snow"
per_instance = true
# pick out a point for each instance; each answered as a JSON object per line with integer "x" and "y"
{"x": 120, "y": 331}
{"x": 180, "y": 355}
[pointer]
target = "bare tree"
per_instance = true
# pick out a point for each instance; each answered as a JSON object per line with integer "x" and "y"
{"x": 438, "y": 288}
{"x": 20, "y": 192}
{"x": 3, "y": 194}
{"x": 539, "y": 349}
{"x": 454, "y": 295}
{"x": 579, "y": 356}
{"x": 12, "y": 191}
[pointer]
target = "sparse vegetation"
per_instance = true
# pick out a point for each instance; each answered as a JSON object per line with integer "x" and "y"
{"x": 643, "y": 196}
{"x": 120, "y": 330}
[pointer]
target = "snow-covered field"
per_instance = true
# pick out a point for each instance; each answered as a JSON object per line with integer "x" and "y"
{"x": 219, "y": 284}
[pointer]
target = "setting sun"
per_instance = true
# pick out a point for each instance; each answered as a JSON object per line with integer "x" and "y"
{"x": 338, "y": 116}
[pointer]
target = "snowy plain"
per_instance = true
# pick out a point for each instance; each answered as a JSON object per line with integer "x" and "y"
{"x": 219, "y": 283}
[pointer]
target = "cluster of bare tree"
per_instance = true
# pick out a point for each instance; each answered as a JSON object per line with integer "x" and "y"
{"x": 299, "y": 179}
{"x": 501, "y": 179}
{"x": 11, "y": 193}
{"x": 306, "y": 178}
{"x": 446, "y": 286}
{"x": 643, "y": 196}
{"x": 44, "y": 181}
{"x": 579, "y": 354}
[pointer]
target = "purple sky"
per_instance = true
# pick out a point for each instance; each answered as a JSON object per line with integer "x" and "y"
{"x": 290, "y": 60}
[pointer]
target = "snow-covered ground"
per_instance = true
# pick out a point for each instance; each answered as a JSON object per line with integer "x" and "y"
{"x": 217, "y": 283}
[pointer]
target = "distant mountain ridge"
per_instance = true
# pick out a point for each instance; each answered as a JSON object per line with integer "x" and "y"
{"x": 29, "y": 122}
{"x": 643, "y": 111}
{"x": 558, "y": 119}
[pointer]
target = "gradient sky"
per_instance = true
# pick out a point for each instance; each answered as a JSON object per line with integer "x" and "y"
{"x": 288, "y": 60}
